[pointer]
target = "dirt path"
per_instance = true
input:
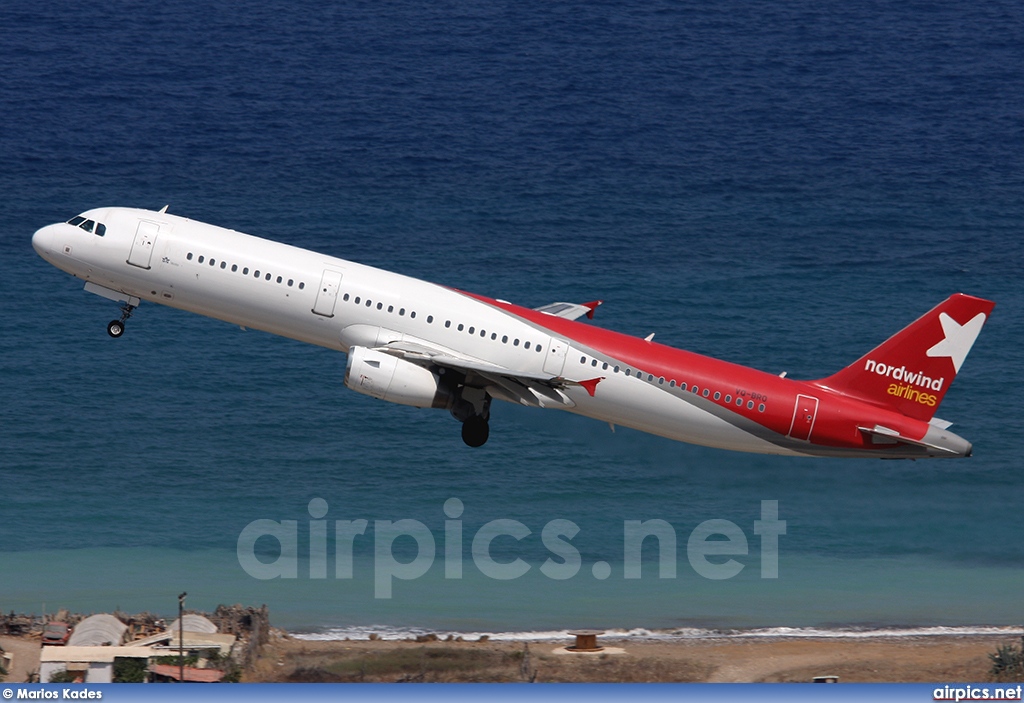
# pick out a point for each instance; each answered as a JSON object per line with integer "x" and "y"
{"x": 26, "y": 657}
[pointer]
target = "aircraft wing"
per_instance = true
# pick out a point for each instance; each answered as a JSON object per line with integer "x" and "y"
{"x": 570, "y": 311}
{"x": 537, "y": 390}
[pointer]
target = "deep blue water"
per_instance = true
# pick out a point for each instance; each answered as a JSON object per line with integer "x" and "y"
{"x": 782, "y": 186}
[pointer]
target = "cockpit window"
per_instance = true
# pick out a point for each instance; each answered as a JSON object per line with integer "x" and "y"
{"x": 97, "y": 228}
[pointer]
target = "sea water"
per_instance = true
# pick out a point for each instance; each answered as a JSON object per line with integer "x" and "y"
{"x": 779, "y": 186}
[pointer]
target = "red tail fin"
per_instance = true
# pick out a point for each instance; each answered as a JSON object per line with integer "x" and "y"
{"x": 912, "y": 370}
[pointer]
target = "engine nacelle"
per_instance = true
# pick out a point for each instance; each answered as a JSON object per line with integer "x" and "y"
{"x": 389, "y": 378}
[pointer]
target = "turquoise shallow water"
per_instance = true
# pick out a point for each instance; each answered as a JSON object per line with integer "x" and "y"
{"x": 780, "y": 187}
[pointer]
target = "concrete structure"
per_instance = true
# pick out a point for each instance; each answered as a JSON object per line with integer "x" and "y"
{"x": 90, "y": 664}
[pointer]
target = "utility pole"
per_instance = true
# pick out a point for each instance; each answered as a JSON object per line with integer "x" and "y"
{"x": 181, "y": 637}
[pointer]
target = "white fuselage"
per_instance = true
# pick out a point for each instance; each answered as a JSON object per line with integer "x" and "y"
{"x": 261, "y": 284}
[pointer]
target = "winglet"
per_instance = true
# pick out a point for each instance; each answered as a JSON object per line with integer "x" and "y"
{"x": 591, "y": 385}
{"x": 591, "y": 307}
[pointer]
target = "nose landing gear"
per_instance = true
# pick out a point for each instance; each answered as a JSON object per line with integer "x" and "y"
{"x": 115, "y": 328}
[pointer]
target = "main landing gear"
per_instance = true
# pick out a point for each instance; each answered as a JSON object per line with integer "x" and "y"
{"x": 472, "y": 407}
{"x": 115, "y": 328}
{"x": 475, "y": 431}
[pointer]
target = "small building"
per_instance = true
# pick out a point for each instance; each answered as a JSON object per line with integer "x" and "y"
{"x": 98, "y": 641}
{"x": 98, "y": 631}
{"x": 86, "y": 664}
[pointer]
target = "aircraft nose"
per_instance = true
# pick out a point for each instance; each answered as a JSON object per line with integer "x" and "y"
{"x": 42, "y": 240}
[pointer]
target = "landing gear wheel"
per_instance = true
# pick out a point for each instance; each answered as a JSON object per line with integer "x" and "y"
{"x": 115, "y": 328}
{"x": 475, "y": 431}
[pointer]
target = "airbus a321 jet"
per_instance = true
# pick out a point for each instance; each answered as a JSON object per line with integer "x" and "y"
{"x": 428, "y": 346}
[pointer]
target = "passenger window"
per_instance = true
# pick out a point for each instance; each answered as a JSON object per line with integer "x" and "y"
{"x": 291, "y": 281}
{"x": 718, "y": 395}
{"x": 200, "y": 259}
{"x": 728, "y": 399}
{"x": 234, "y": 267}
{"x": 515, "y": 342}
{"x": 369, "y": 302}
{"x": 255, "y": 274}
{"x": 430, "y": 319}
{"x": 380, "y": 306}
{"x": 594, "y": 362}
{"x": 504, "y": 339}
{"x": 189, "y": 257}
{"x": 527, "y": 346}
{"x": 279, "y": 279}
{"x": 268, "y": 277}
{"x": 401, "y": 311}
{"x": 760, "y": 408}
{"x": 412, "y": 314}
{"x": 245, "y": 271}
{"x": 471, "y": 329}
{"x": 391, "y": 308}
{"x": 356, "y": 301}
{"x": 447, "y": 323}
{"x": 223, "y": 265}
{"x": 750, "y": 405}
{"x": 461, "y": 327}
{"x": 706, "y": 393}
{"x": 301, "y": 285}
{"x": 345, "y": 297}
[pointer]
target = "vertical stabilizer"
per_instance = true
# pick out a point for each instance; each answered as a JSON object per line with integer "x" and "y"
{"x": 912, "y": 370}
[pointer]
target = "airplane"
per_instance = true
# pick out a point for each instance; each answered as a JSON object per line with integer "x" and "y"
{"x": 424, "y": 345}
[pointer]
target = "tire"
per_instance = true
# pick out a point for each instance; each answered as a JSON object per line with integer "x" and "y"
{"x": 475, "y": 431}
{"x": 115, "y": 328}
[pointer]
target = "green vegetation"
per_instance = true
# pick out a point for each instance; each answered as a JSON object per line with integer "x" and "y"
{"x": 1008, "y": 662}
{"x": 62, "y": 676}
{"x": 173, "y": 660}
{"x": 130, "y": 670}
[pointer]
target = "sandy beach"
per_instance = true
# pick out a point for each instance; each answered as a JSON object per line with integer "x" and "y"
{"x": 904, "y": 659}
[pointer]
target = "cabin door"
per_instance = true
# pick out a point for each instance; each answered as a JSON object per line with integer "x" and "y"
{"x": 804, "y": 411}
{"x": 142, "y": 248}
{"x": 327, "y": 296}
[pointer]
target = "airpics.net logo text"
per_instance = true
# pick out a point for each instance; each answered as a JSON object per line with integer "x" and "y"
{"x": 709, "y": 547}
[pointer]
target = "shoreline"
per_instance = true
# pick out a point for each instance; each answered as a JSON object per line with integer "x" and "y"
{"x": 941, "y": 654}
{"x": 639, "y": 634}
{"x": 879, "y": 659}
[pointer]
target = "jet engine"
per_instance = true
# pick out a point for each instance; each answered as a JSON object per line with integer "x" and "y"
{"x": 389, "y": 378}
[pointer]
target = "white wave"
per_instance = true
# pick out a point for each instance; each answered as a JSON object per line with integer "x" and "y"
{"x": 389, "y": 633}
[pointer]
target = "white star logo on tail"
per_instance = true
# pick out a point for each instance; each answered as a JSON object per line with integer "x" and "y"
{"x": 959, "y": 338}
